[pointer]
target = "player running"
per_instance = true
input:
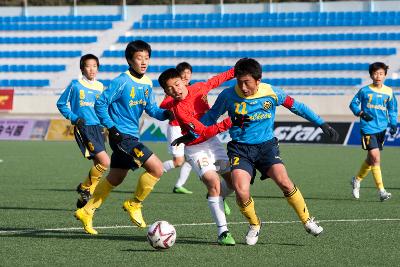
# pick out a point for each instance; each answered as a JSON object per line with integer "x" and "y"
{"x": 254, "y": 146}
{"x": 208, "y": 159}
{"x": 174, "y": 132}
{"x": 376, "y": 106}
{"x": 119, "y": 109}
{"x": 89, "y": 133}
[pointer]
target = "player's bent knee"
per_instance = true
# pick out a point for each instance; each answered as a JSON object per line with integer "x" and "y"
{"x": 154, "y": 166}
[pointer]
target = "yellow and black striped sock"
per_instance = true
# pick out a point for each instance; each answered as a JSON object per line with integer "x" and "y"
{"x": 248, "y": 210}
{"x": 377, "y": 173}
{"x": 93, "y": 178}
{"x": 364, "y": 170}
{"x": 296, "y": 200}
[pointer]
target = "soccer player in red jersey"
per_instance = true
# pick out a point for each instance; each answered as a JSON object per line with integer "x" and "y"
{"x": 209, "y": 158}
{"x": 174, "y": 132}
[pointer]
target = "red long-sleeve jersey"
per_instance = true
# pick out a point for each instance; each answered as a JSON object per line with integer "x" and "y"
{"x": 189, "y": 110}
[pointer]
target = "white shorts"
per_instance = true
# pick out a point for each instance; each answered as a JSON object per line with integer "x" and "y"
{"x": 209, "y": 155}
{"x": 174, "y": 132}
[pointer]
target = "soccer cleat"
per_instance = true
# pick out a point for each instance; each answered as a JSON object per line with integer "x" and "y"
{"x": 84, "y": 196}
{"x": 355, "y": 184}
{"x": 384, "y": 195}
{"x": 253, "y": 233}
{"x": 135, "y": 213}
{"x": 226, "y": 239}
{"x": 227, "y": 209}
{"x": 312, "y": 227}
{"x": 181, "y": 190}
{"x": 86, "y": 220}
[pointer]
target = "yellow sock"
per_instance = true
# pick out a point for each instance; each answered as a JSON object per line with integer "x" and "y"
{"x": 99, "y": 195}
{"x": 376, "y": 172}
{"x": 249, "y": 211}
{"x": 144, "y": 186}
{"x": 93, "y": 178}
{"x": 364, "y": 170}
{"x": 296, "y": 200}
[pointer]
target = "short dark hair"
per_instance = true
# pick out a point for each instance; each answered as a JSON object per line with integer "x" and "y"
{"x": 87, "y": 57}
{"x": 248, "y": 66}
{"x": 376, "y": 66}
{"x": 183, "y": 66}
{"x": 135, "y": 46}
{"x": 166, "y": 75}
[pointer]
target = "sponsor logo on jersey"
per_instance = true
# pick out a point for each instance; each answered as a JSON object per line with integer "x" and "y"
{"x": 137, "y": 102}
{"x": 372, "y": 106}
{"x": 260, "y": 116}
{"x": 86, "y": 104}
{"x": 267, "y": 105}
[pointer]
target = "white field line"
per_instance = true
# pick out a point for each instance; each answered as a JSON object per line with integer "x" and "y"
{"x": 16, "y": 232}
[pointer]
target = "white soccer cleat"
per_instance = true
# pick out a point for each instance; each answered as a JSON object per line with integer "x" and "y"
{"x": 252, "y": 234}
{"x": 356, "y": 187}
{"x": 384, "y": 195}
{"x": 312, "y": 227}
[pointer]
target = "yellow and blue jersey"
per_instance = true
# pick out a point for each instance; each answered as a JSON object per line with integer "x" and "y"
{"x": 81, "y": 96}
{"x": 122, "y": 104}
{"x": 260, "y": 107}
{"x": 380, "y": 103}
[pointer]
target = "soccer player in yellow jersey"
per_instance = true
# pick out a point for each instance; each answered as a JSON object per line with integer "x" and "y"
{"x": 376, "y": 106}
{"x": 89, "y": 133}
{"x": 119, "y": 108}
{"x": 254, "y": 146}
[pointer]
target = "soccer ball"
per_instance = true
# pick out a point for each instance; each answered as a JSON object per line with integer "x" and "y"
{"x": 161, "y": 235}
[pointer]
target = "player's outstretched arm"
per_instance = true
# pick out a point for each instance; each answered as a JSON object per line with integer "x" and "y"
{"x": 201, "y": 131}
{"x": 328, "y": 130}
{"x": 219, "y": 108}
{"x": 215, "y": 82}
{"x": 304, "y": 111}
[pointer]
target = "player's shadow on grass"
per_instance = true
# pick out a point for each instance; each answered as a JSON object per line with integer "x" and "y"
{"x": 114, "y": 191}
{"x": 306, "y": 198}
{"x": 56, "y": 189}
{"x": 32, "y": 233}
{"x": 27, "y": 208}
{"x": 388, "y": 188}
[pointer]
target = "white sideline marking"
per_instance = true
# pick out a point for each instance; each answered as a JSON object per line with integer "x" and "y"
{"x": 189, "y": 224}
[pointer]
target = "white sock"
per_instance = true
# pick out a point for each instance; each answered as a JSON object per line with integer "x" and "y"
{"x": 168, "y": 165}
{"x": 225, "y": 190}
{"x": 184, "y": 174}
{"x": 216, "y": 206}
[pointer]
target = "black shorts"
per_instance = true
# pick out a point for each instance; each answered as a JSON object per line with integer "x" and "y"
{"x": 90, "y": 139}
{"x": 254, "y": 157}
{"x": 129, "y": 154}
{"x": 372, "y": 141}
